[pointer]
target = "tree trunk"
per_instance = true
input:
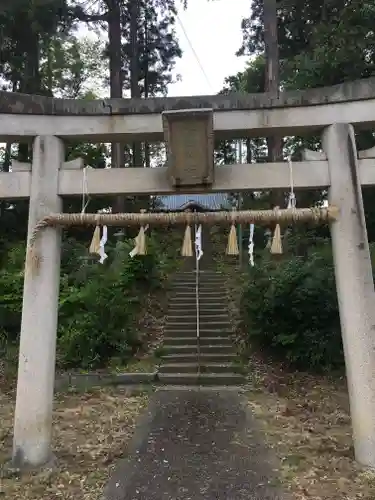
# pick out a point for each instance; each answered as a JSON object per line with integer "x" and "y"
{"x": 134, "y": 69}
{"x": 146, "y": 83}
{"x": 115, "y": 79}
{"x": 272, "y": 83}
{"x": 31, "y": 82}
{"x": 7, "y": 157}
{"x": 135, "y": 91}
{"x": 249, "y": 155}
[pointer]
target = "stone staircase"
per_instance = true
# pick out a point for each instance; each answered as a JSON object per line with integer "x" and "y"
{"x": 211, "y": 360}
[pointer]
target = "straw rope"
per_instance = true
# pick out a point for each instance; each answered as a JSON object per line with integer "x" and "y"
{"x": 259, "y": 217}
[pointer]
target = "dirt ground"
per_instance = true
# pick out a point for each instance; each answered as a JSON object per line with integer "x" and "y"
{"x": 306, "y": 422}
{"x": 91, "y": 432}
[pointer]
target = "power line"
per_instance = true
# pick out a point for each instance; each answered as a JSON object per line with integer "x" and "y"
{"x": 194, "y": 52}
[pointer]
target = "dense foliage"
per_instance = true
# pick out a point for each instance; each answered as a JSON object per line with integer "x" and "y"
{"x": 290, "y": 309}
{"x": 289, "y": 305}
{"x": 99, "y": 304}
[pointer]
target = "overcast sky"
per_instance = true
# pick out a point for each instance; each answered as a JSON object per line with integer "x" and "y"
{"x": 214, "y": 30}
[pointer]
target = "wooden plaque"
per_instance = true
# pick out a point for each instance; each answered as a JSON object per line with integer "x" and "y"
{"x": 190, "y": 146}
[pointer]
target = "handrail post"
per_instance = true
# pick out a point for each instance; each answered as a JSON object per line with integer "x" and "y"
{"x": 197, "y": 296}
{"x": 197, "y": 299}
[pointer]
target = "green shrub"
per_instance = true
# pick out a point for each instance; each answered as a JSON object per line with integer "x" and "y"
{"x": 11, "y": 286}
{"x": 99, "y": 304}
{"x": 290, "y": 309}
{"x": 97, "y": 316}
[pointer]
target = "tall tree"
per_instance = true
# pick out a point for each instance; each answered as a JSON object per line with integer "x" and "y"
{"x": 321, "y": 43}
{"x": 135, "y": 92}
{"x": 115, "y": 79}
{"x": 129, "y": 24}
{"x": 149, "y": 53}
{"x": 272, "y": 78}
{"x": 23, "y": 30}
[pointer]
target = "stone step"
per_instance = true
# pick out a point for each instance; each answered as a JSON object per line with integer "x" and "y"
{"x": 192, "y": 340}
{"x": 203, "y": 299}
{"x": 193, "y": 349}
{"x": 192, "y": 318}
{"x": 184, "y": 311}
{"x": 204, "y": 291}
{"x": 189, "y": 306}
{"x": 191, "y": 285}
{"x": 172, "y": 341}
{"x": 203, "y": 272}
{"x": 202, "y": 277}
{"x": 203, "y": 358}
{"x": 186, "y": 325}
{"x": 206, "y": 340}
{"x": 203, "y": 332}
{"x": 201, "y": 379}
{"x": 190, "y": 309}
{"x": 201, "y": 284}
{"x": 178, "y": 368}
{"x": 216, "y": 348}
{"x": 181, "y": 349}
{"x": 207, "y": 308}
{"x": 207, "y": 286}
{"x": 203, "y": 368}
{"x": 222, "y": 367}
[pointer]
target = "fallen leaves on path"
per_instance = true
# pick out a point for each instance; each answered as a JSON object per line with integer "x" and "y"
{"x": 306, "y": 422}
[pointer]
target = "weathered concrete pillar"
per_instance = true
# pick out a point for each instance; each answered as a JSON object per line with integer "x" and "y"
{"x": 355, "y": 287}
{"x": 36, "y": 370}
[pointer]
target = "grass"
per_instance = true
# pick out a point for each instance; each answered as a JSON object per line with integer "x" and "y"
{"x": 91, "y": 433}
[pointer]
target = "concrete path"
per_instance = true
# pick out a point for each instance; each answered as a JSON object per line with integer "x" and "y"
{"x": 199, "y": 444}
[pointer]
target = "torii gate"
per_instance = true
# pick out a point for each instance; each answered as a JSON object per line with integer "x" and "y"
{"x": 335, "y": 112}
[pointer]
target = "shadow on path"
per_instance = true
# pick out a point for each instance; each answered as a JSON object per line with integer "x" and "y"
{"x": 199, "y": 444}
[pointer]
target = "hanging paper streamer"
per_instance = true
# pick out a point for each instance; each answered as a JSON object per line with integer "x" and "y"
{"x": 95, "y": 242}
{"x": 103, "y": 241}
{"x": 186, "y": 250}
{"x": 187, "y": 244}
{"x": 251, "y": 245}
{"x": 232, "y": 246}
{"x": 140, "y": 241}
{"x": 292, "y": 196}
{"x": 198, "y": 243}
{"x": 136, "y": 250}
{"x": 98, "y": 243}
{"x": 276, "y": 245}
{"x": 292, "y": 200}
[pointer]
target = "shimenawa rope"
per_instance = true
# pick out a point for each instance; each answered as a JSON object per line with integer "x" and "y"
{"x": 259, "y": 217}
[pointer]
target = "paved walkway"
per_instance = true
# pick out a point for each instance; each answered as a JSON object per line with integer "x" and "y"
{"x": 199, "y": 444}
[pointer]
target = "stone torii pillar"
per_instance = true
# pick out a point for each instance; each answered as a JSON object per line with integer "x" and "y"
{"x": 355, "y": 286}
{"x": 36, "y": 369}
